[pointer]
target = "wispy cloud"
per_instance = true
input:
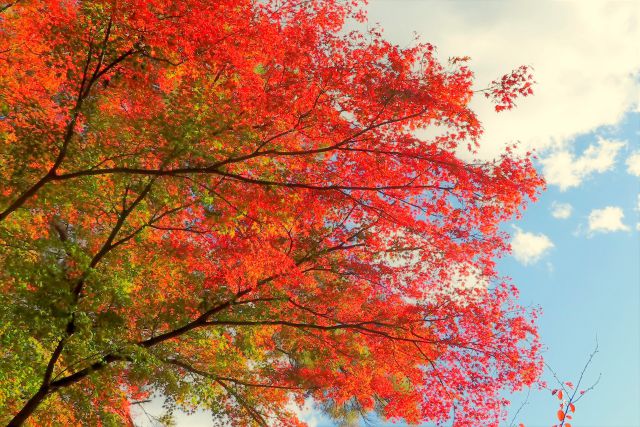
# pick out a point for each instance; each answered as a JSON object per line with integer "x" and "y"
{"x": 564, "y": 169}
{"x": 607, "y": 220}
{"x": 528, "y": 248}
{"x": 561, "y": 210}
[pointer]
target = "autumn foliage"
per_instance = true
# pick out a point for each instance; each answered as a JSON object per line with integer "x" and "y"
{"x": 229, "y": 203}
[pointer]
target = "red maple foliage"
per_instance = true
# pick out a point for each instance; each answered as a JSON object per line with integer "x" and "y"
{"x": 228, "y": 203}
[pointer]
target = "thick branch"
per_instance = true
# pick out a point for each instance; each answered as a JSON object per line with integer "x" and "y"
{"x": 212, "y": 170}
{"x": 201, "y": 373}
{"x": 4, "y": 7}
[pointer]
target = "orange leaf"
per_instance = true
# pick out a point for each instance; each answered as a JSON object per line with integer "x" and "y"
{"x": 560, "y": 414}
{"x": 567, "y": 425}
{"x": 572, "y": 408}
{"x": 560, "y": 394}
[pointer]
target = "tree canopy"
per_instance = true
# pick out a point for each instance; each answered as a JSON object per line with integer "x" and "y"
{"x": 233, "y": 203}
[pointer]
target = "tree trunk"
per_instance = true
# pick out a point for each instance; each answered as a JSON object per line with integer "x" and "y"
{"x": 29, "y": 407}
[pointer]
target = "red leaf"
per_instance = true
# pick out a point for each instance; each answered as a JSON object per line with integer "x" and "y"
{"x": 560, "y": 414}
{"x": 572, "y": 407}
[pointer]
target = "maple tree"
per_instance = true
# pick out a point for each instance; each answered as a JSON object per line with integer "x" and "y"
{"x": 228, "y": 203}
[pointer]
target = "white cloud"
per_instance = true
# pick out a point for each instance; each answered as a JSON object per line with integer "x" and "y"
{"x": 143, "y": 414}
{"x": 528, "y": 248}
{"x": 561, "y": 168}
{"x": 633, "y": 163}
{"x": 307, "y": 413}
{"x": 607, "y": 220}
{"x": 583, "y": 54}
{"x": 561, "y": 210}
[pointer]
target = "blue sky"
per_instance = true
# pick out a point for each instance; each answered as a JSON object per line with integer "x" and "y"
{"x": 577, "y": 250}
{"x": 588, "y": 285}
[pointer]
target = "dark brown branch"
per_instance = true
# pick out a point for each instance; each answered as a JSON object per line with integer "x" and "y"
{"x": 81, "y": 374}
{"x": 362, "y": 327}
{"x": 7, "y": 6}
{"x": 257, "y": 417}
{"x": 198, "y": 322}
{"x": 410, "y": 184}
{"x": 214, "y": 377}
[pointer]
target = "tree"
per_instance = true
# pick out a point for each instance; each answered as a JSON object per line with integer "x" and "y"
{"x": 228, "y": 203}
